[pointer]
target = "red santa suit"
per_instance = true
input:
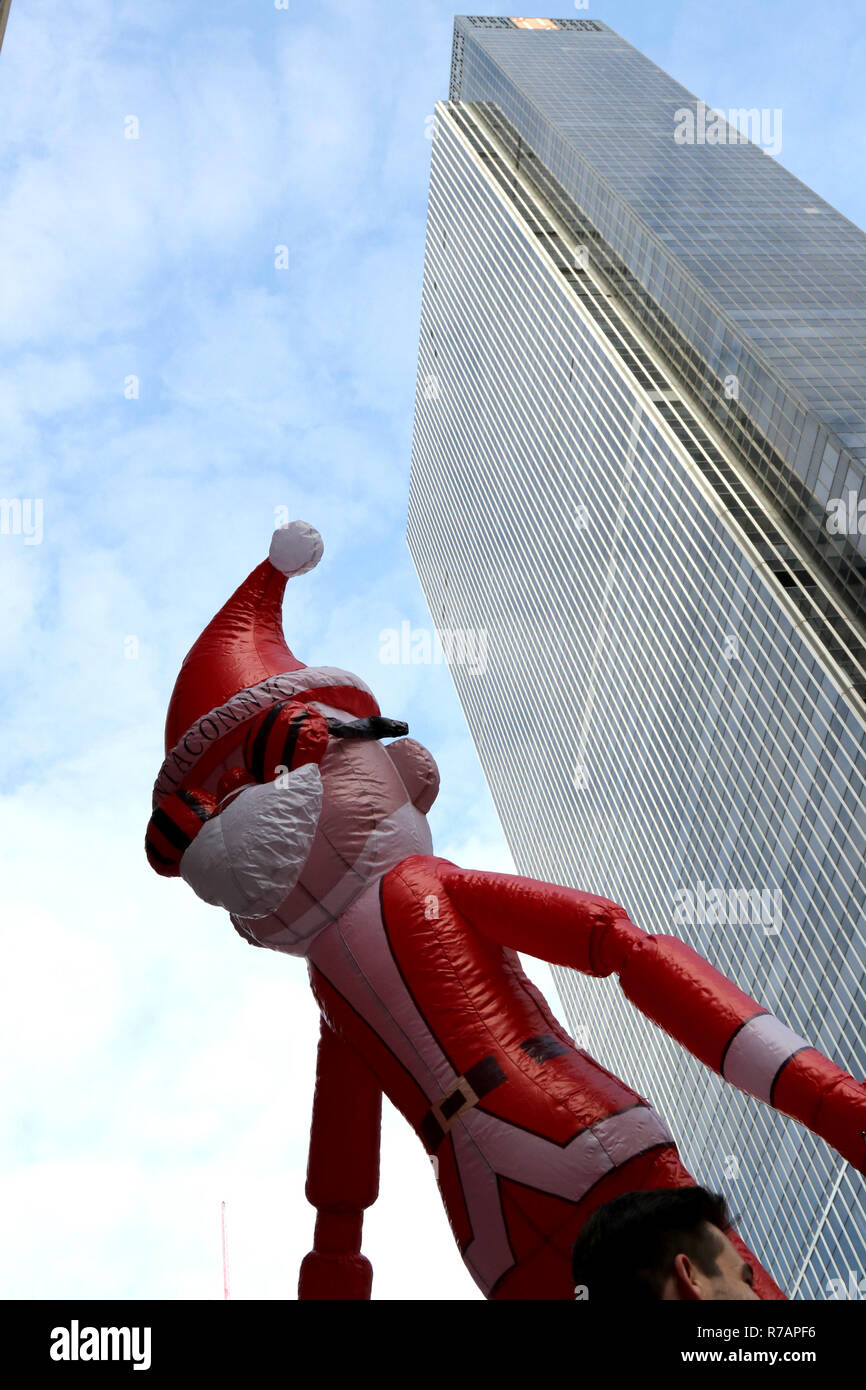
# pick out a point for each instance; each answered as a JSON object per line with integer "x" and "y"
{"x": 278, "y": 802}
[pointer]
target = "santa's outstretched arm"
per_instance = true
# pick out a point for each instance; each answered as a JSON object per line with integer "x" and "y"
{"x": 676, "y": 988}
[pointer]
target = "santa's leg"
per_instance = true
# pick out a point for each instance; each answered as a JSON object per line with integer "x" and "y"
{"x": 676, "y": 988}
{"x": 342, "y": 1172}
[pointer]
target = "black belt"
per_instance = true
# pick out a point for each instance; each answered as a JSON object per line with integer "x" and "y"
{"x": 468, "y": 1090}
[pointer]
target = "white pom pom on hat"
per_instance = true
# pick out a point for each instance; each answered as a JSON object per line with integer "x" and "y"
{"x": 295, "y": 548}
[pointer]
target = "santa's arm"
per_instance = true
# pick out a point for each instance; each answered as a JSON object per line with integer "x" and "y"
{"x": 287, "y": 736}
{"x": 561, "y": 925}
{"x": 678, "y": 990}
{"x": 741, "y": 1041}
{"x": 291, "y": 734}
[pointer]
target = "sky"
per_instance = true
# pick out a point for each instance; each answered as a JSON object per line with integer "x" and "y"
{"x": 169, "y": 391}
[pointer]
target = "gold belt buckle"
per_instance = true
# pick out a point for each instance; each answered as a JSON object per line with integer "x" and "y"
{"x": 469, "y": 1099}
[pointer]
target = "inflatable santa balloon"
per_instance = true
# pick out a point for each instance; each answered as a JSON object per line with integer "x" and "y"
{"x": 279, "y": 801}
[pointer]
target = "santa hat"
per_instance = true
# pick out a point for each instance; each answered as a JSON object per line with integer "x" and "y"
{"x": 242, "y": 665}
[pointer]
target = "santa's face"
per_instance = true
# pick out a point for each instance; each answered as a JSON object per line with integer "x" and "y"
{"x": 374, "y": 802}
{"x": 288, "y": 858}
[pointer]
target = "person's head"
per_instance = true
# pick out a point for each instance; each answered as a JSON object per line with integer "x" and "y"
{"x": 668, "y": 1244}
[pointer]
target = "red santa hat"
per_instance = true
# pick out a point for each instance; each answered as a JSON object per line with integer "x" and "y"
{"x": 241, "y": 664}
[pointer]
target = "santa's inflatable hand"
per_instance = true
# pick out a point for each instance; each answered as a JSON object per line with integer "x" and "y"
{"x": 249, "y": 857}
{"x": 830, "y": 1101}
{"x": 174, "y": 825}
{"x": 842, "y": 1121}
{"x": 288, "y": 736}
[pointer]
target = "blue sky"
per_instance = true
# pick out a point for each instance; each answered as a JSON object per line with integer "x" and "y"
{"x": 153, "y": 1065}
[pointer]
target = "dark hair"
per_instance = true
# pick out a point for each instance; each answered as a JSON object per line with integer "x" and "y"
{"x": 626, "y": 1250}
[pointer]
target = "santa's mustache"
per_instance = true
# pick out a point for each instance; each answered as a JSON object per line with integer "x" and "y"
{"x": 374, "y": 726}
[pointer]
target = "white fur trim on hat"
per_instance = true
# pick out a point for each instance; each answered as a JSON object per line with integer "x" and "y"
{"x": 295, "y": 548}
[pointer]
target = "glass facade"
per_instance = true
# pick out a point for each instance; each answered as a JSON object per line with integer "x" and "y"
{"x": 657, "y": 716}
{"x": 739, "y": 273}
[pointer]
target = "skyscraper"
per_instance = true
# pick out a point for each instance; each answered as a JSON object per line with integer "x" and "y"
{"x": 4, "y": 18}
{"x": 638, "y": 475}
